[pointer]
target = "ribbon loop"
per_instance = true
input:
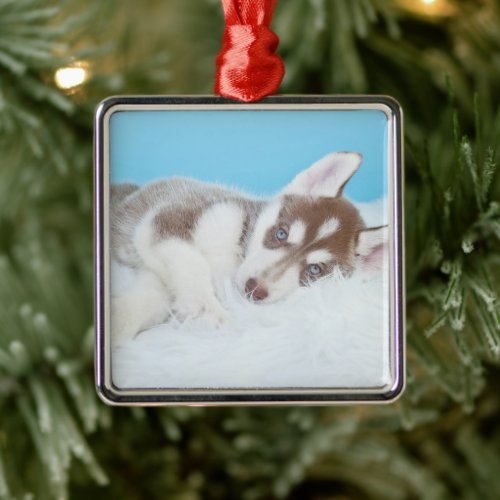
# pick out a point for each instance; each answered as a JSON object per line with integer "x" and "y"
{"x": 248, "y": 68}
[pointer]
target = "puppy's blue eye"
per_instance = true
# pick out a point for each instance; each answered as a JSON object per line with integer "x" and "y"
{"x": 281, "y": 234}
{"x": 313, "y": 269}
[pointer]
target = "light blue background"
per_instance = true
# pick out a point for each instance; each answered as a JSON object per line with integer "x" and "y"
{"x": 257, "y": 151}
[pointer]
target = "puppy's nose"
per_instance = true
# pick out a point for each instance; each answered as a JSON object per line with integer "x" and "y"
{"x": 255, "y": 290}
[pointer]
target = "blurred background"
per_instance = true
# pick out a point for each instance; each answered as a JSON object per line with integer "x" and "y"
{"x": 441, "y": 60}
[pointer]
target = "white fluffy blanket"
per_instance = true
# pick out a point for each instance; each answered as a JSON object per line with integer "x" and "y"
{"x": 332, "y": 334}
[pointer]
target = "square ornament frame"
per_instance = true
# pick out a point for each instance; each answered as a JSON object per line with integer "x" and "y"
{"x": 112, "y": 394}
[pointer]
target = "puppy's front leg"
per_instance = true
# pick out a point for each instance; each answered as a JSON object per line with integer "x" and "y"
{"x": 187, "y": 275}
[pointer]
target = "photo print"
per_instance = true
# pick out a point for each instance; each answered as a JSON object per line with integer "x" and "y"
{"x": 250, "y": 249}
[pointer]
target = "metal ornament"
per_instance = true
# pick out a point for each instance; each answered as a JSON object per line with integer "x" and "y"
{"x": 249, "y": 253}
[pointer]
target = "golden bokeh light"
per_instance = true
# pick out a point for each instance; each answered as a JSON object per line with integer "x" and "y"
{"x": 71, "y": 76}
{"x": 429, "y": 8}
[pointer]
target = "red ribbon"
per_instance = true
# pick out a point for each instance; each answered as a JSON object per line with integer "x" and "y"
{"x": 247, "y": 67}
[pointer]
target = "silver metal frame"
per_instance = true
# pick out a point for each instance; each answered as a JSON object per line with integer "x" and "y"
{"x": 243, "y": 396}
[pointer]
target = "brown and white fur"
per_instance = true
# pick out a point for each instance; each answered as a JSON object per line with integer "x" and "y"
{"x": 180, "y": 235}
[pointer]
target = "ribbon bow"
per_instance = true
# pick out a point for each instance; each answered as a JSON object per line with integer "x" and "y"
{"x": 248, "y": 68}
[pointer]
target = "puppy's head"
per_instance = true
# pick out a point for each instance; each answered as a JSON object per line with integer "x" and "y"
{"x": 309, "y": 231}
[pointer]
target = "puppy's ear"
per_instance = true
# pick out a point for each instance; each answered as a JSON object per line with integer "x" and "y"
{"x": 371, "y": 246}
{"x": 327, "y": 177}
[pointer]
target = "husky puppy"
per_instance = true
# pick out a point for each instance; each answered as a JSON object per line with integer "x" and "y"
{"x": 180, "y": 235}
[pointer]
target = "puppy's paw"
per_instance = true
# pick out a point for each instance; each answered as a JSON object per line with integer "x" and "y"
{"x": 214, "y": 317}
{"x": 208, "y": 313}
